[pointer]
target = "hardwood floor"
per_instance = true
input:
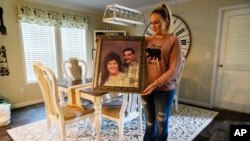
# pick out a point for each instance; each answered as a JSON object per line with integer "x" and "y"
{"x": 217, "y": 130}
{"x": 22, "y": 116}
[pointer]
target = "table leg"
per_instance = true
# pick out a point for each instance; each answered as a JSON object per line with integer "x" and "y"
{"x": 98, "y": 117}
{"x": 61, "y": 98}
{"x": 70, "y": 97}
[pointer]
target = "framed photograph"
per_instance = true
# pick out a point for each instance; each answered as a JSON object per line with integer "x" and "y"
{"x": 119, "y": 64}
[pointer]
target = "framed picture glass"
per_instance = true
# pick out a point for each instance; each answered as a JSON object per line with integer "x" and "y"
{"x": 119, "y": 64}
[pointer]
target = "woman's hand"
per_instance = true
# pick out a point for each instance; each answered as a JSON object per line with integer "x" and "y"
{"x": 148, "y": 90}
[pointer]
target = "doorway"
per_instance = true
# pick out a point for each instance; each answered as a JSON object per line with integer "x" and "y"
{"x": 232, "y": 85}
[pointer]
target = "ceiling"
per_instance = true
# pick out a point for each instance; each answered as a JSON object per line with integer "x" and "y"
{"x": 98, "y": 6}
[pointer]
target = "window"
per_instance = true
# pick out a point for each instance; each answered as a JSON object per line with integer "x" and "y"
{"x": 73, "y": 43}
{"x": 40, "y": 44}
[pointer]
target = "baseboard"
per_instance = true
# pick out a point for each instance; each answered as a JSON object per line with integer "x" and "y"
{"x": 26, "y": 103}
{"x": 207, "y": 105}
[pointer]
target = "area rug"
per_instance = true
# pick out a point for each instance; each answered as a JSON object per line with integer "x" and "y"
{"x": 184, "y": 125}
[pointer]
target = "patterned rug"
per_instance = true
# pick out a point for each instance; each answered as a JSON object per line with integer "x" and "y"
{"x": 183, "y": 126}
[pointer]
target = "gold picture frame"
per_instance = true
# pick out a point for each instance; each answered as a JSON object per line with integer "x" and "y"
{"x": 112, "y": 72}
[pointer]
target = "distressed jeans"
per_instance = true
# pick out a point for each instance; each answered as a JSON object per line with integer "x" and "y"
{"x": 157, "y": 107}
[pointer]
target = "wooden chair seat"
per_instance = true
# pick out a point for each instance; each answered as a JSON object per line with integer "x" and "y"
{"x": 72, "y": 111}
{"x": 112, "y": 111}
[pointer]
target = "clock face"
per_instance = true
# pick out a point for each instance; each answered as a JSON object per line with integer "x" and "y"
{"x": 181, "y": 30}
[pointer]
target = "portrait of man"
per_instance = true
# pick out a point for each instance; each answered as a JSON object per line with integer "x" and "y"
{"x": 130, "y": 66}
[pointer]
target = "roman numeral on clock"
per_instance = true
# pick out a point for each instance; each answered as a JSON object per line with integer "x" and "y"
{"x": 179, "y": 32}
{"x": 184, "y": 42}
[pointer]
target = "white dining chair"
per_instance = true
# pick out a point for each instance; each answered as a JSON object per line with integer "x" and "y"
{"x": 60, "y": 114}
{"x": 130, "y": 109}
{"x": 75, "y": 69}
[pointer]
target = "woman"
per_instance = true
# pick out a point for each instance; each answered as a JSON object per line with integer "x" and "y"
{"x": 163, "y": 64}
{"x": 112, "y": 74}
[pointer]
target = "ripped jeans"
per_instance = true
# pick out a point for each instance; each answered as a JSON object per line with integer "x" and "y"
{"x": 157, "y": 107}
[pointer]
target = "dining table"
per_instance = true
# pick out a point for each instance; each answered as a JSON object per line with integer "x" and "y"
{"x": 69, "y": 86}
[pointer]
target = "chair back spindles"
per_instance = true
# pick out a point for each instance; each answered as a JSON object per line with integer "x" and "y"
{"x": 75, "y": 69}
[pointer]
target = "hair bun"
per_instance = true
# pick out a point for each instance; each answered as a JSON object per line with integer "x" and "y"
{"x": 162, "y": 5}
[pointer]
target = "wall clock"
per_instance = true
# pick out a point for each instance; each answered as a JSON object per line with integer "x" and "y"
{"x": 181, "y": 30}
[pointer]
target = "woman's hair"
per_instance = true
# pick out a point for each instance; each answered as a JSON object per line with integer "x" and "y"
{"x": 164, "y": 11}
{"x": 105, "y": 72}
